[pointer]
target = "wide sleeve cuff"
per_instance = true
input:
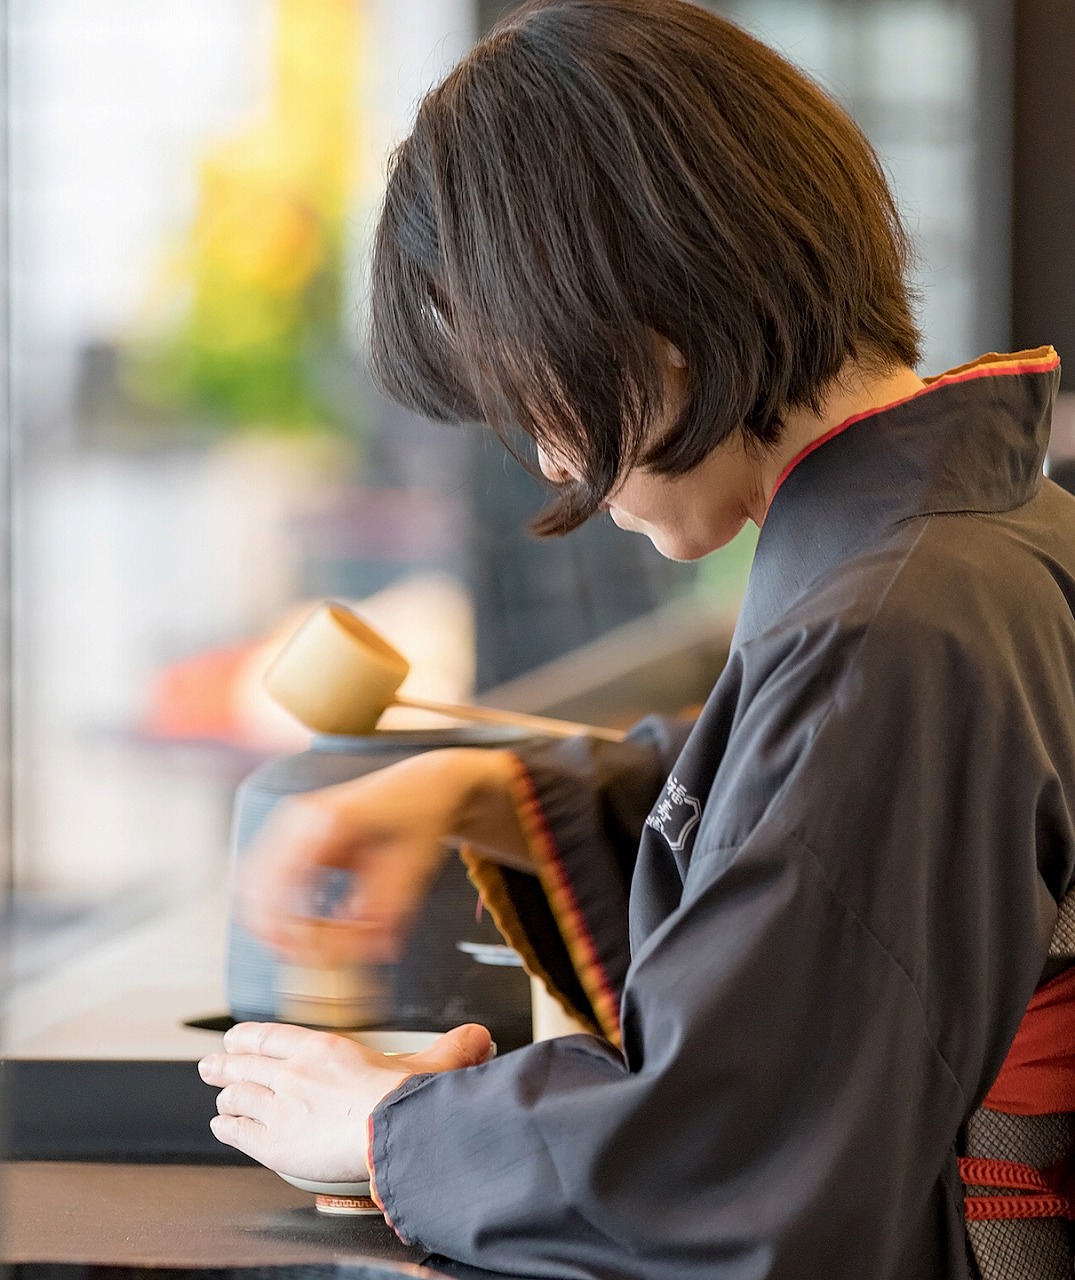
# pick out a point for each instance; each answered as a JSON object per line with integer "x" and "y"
{"x": 569, "y": 924}
{"x": 377, "y": 1156}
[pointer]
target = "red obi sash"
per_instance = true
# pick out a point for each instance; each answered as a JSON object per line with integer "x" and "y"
{"x": 1037, "y": 1078}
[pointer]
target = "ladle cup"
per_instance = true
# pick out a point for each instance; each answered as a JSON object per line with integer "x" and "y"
{"x": 337, "y": 675}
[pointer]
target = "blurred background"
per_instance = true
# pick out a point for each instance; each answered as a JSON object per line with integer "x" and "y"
{"x": 197, "y": 454}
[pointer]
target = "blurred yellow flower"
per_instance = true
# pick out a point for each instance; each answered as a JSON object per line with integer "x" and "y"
{"x": 259, "y": 277}
{"x": 258, "y": 226}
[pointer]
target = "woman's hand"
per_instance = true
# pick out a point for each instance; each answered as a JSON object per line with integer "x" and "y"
{"x": 299, "y": 1101}
{"x": 390, "y": 829}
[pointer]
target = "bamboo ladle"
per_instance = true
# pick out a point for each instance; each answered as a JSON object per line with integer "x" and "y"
{"x": 337, "y": 675}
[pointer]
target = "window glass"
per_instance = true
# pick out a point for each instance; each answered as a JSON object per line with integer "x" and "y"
{"x": 199, "y": 455}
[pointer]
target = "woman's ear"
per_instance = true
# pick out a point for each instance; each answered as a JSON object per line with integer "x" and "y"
{"x": 674, "y": 356}
{"x": 666, "y": 350}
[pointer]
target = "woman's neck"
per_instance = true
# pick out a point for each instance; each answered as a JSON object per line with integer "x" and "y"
{"x": 856, "y": 390}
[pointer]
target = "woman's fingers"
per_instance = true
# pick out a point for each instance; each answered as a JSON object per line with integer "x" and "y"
{"x": 370, "y": 929}
{"x": 329, "y": 942}
{"x": 466, "y": 1046}
{"x": 276, "y": 883}
{"x": 313, "y": 1122}
{"x": 386, "y": 897}
{"x": 370, "y": 924}
{"x": 304, "y": 835}
{"x": 222, "y": 1069}
{"x": 245, "y": 1099}
{"x": 243, "y": 1134}
{"x": 387, "y": 828}
{"x": 272, "y": 1039}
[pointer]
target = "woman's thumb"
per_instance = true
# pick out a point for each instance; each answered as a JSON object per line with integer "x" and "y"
{"x": 465, "y": 1046}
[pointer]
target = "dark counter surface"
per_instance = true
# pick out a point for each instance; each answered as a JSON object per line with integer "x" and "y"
{"x": 185, "y": 1218}
{"x": 99, "y": 1080}
{"x": 141, "y": 1215}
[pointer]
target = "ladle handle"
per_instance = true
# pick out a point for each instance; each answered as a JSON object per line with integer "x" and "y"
{"x": 520, "y": 719}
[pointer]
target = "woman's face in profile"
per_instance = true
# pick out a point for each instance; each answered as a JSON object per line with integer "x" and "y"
{"x": 685, "y": 517}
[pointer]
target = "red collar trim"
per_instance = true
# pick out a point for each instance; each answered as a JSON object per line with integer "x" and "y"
{"x": 1039, "y": 360}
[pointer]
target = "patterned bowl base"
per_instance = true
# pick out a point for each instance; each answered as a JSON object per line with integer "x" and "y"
{"x": 346, "y": 1204}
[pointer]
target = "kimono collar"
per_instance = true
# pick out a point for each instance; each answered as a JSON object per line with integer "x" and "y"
{"x": 972, "y": 440}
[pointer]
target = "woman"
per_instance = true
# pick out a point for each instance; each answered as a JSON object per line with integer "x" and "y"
{"x": 808, "y": 926}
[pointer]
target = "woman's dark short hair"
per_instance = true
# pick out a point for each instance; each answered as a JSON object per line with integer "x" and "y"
{"x": 598, "y": 172}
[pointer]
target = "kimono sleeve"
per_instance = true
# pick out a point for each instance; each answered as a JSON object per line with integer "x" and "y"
{"x": 792, "y": 1079}
{"x": 582, "y": 804}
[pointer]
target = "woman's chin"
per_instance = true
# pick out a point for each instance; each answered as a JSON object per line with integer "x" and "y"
{"x": 676, "y": 545}
{"x": 684, "y": 554}
{"x": 671, "y": 545}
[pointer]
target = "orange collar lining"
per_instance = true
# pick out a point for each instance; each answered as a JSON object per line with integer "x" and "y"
{"x": 1038, "y": 360}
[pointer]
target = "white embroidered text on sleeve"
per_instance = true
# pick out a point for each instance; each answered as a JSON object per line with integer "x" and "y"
{"x": 676, "y": 814}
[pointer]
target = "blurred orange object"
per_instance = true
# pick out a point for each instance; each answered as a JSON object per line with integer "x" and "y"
{"x": 217, "y": 696}
{"x": 192, "y": 699}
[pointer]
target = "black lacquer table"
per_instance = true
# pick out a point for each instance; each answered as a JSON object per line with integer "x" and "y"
{"x": 85, "y": 1221}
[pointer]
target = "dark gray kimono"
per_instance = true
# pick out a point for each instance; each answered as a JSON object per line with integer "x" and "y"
{"x": 842, "y": 899}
